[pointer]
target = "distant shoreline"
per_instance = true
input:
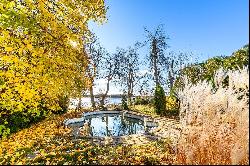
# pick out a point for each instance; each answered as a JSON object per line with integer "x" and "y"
{"x": 114, "y": 96}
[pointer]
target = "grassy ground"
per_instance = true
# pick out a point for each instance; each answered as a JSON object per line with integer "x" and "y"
{"x": 48, "y": 142}
{"x": 146, "y": 109}
{"x": 149, "y": 110}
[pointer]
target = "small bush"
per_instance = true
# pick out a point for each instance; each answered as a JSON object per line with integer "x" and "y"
{"x": 124, "y": 103}
{"x": 142, "y": 101}
{"x": 64, "y": 104}
{"x": 172, "y": 105}
{"x": 159, "y": 100}
{"x": 11, "y": 122}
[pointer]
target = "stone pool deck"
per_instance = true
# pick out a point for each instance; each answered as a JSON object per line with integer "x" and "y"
{"x": 166, "y": 129}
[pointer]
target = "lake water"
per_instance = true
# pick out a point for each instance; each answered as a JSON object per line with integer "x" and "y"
{"x": 86, "y": 102}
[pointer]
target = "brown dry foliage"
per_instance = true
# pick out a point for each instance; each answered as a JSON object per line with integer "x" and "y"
{"x": 215, "y": 125}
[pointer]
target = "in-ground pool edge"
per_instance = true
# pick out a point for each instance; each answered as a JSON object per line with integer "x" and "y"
{"x": 163, "y": 125}
{"x": 131, "y": 114}
{"x": 150, "y": 122}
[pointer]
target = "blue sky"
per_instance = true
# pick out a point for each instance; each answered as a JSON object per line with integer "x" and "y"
{"x": 205, "y": 27}
{"x": 208, "y": 27}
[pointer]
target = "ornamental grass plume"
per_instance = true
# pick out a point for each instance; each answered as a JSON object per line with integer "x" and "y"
{"x": 215, "y": 120}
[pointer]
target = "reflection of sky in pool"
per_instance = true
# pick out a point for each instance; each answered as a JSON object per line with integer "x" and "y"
{"x": 114, "y": 125}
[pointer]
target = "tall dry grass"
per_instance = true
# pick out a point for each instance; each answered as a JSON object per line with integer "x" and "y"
{"x": 215, "y": 123}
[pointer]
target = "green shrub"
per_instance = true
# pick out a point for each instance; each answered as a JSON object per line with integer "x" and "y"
{"x": 205, "y": 71}
{"x": 124, "y": 103}
{"x": 159, "y": 100}
{"x": 4, "y": 131}
{"x": 11, "y": 122}
{"x": 142, "y": 101}
{"x": 64, "y": 104}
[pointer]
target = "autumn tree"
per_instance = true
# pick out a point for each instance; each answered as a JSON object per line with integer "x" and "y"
{"x": 111, "y": 65}
{"x": 41, "y": 54}
{"x": 174, "y": 63}
{"x": 158, "y": 44}
{"x": 82, "y": 81}
{"x": 129, "y": 71}
{"x": 95, "y": 53}
{"x": 144, "y": 87}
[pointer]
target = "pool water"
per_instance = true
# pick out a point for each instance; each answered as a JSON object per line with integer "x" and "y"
{"x": 111, "y": 125}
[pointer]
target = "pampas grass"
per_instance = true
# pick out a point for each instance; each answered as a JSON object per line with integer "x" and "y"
{"x": 215, "y": 121}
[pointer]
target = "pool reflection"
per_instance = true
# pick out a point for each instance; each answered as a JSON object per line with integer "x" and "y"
{"x": 113, "y": 125}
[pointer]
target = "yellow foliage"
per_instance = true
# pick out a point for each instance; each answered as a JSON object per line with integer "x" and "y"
{"x": 29, "y": 46}
{"x": 50, "y": 143}
{"x": 37, "y": 63}
{"x": 171, "y": 103}
{"x": 8, "y": 49}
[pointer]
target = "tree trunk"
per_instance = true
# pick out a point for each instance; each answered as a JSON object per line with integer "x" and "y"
{"x": 107, "y": 125}
{"x": 154, "y": 60}
{"x": 171, "y": 74}
{"x": 130, "y": 93}
{"x": 103, "y": 97}
{"x": 130, "y": 82}
{"x": 92, "y": 97}
{"x": 156, "y": 73}
{"x": 129, "y": 98}
{"x": 79, "y": 103}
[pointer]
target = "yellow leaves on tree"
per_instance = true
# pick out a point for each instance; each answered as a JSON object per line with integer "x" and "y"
{"x": 38, "y": 64}
{"x": 8, "y": 49}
